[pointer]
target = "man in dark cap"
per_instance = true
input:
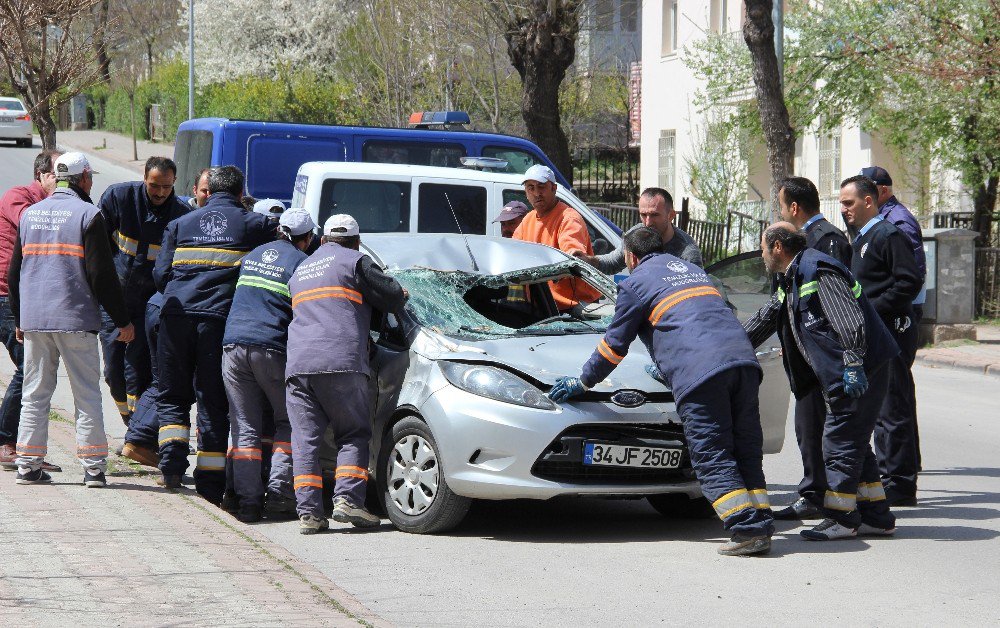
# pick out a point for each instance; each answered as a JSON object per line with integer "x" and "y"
{"x": 510, "y": 217}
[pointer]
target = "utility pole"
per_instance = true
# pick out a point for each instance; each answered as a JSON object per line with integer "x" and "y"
{"x": 190, "y": 59}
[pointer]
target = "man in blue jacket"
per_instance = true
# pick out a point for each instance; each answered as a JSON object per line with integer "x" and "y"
{"x": 196, "y": 271}
{"x": 706, "y": 359}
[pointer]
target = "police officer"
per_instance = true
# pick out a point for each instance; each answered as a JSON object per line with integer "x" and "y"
{"x": 253, "y": 365}
{"x": 705, "y": 357}
{"x": 197, "y": 271}
{"x": 136, "y": 214}
{"x": 884, "y": 264}
{"x": 798, "y": 200}
{"x": 333, "y": 295}
{"x": 832, "y": 342}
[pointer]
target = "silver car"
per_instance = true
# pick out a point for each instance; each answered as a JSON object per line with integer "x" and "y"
{"x": 15, "y": 123}
{"x": 460, "y": 411}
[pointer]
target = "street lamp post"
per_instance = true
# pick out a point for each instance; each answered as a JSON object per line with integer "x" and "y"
{"x": 190, "y": 59}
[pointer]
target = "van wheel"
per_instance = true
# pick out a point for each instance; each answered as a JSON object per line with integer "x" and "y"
{"x": 411, "y": 481}
{"x": 680, "y": 506}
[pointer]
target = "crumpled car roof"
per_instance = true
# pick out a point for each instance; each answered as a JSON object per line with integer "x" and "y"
{"x": 451, "y": 252}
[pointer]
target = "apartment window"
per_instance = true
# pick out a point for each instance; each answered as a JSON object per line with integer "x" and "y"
{"x": 605, "y": 15}
{"x": 667, "y": 160}
{"x": 829, "y": 164}
{"x": 630, "y": 15}
{"x": 669, "y": 38}
{"x": 719, "y": 16}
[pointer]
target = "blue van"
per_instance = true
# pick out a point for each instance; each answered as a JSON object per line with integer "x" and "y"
{"x": 270, "y": 153}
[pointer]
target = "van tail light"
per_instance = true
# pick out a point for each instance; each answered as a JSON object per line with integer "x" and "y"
{"x": 25, "y": 117}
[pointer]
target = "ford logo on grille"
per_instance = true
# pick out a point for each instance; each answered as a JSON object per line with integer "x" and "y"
{"x": 628, "y": 398}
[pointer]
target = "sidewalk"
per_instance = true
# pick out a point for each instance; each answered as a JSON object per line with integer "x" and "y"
{"x": 982, "y": 356}
{"x": 113, "y": 147}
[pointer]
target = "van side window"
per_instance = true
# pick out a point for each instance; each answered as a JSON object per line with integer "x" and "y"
{"x": 413, "y": 153}
{"x": 451, "y": 209}
{"x": 378, "y": 206}
{"x": 518, "y": 161}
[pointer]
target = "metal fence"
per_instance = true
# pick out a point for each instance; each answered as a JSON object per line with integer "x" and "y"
{"x": 988, "y": 282}
{"x": 963, "y": 220}
{"x": 606, "y": 175}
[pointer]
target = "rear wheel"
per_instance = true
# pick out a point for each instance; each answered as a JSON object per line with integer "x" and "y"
{"x": 680, "y": 506}
{"x": 24, "y": 143}
{"x": 412, "y": 484}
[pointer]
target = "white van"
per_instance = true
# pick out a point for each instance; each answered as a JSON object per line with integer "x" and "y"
{"x": 392, "y": 198}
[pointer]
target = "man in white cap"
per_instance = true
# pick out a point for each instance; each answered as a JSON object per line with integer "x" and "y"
{"x": 334, "y": 293}
{"x": 253, "y": 367}
{"x": 270, "y": 207}
{"x": 556, "y": 224}
{"x": 61, "y": 275}
{"x": 510, "y": 218}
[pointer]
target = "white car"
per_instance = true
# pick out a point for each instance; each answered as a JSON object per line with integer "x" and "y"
{"x": 15, "y": 123}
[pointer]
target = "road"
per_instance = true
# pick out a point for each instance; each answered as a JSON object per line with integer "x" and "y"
{"x": 587, "y": 561}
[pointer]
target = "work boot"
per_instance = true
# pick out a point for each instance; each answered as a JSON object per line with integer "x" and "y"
{"x": 94, "y": 480}
{"x": 308, "y": 524}
{"x": 250, "y": 513}
{"x": 743, "y": 545}
{"x": 346, "y": 512}
{"x": 829, "y": 530}
{"x": 800, "y": 510}
{"x": 230, "y": 502}
{"x": 169, "y": 480}
{"x": 142, "y": 455}
{"x": 37, "y": 476}
{"x": 278, "y": 506}
{"x": 8, "y": 458}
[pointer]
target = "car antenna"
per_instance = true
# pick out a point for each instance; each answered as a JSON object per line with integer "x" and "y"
{"x": 468, "y": 248}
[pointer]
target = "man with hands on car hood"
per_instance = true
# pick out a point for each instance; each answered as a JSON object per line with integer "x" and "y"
{"x": 705, "y": 357}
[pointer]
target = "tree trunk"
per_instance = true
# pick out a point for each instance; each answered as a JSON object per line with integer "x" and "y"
{"x": 984, "y": 203}
{"x": 131, "y": 113}
{"x": 541, "y": 44}
{"x": 758, "y": 32}
{"x": 100, "y": 40}
{"x": 46, "y": 126}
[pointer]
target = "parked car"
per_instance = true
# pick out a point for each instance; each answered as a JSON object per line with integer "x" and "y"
{"x": 459, "y": 405}
{"x": 15, "y": 123}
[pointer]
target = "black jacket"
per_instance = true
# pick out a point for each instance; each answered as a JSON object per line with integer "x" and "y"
{"x": 823, "y": 236}
{"x": 883, "y": 264}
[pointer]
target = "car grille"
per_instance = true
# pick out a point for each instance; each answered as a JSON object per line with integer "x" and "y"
{"x": 562, "y": 460}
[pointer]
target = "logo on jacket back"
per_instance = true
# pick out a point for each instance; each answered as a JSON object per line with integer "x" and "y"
{"x": 269, "y": 256}
{"x": 677, "y": 267}
{"x": 213, "y": 223}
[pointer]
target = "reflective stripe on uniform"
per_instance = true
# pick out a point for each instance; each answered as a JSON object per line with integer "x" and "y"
{"x": 681, "y": 295}
{"x": 244, "y": 453}
{"x": 329, "y": 292}
{"x": 31, "y": 451}
{"x": 856, "y": 290}
{"x": 266, "y": 284}
{"x": 351, "y": 471}
{"x": 781, "y": 295}
{"x": 74, "y": 250}
{"x": 130, "y": 401}
{"x": 758, "y": 498}
{"x": 808, "y": 288}
{"x": 516, "y": 292}
{"x": 608, "y": 353}
{"x": 152, "y": 252}
{"x": 732, "y": 502}
{"x": 281, "y": 446}
{"x": 126, "y": 244}
{"x": 92, "y": 451}
{"x": 122, "y": 406}
{"x": 314, "y": 481}
{"x": 210, "y": 461}
{"x": 870, "y": 492}
{"x": 210, "y": 257}
{"x": 172, "y": 433}
{"x": 845, "y": 502}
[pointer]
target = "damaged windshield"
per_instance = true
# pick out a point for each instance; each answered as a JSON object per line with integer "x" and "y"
{"x": 519, "y": 303}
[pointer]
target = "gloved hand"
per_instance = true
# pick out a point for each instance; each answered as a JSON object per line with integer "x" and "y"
{"x": 565, "y": 388}
{"x": 855, "y": 382}
{"x": 656, "y": 374}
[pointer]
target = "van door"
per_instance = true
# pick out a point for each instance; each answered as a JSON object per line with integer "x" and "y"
{"x": 273, "y": 160}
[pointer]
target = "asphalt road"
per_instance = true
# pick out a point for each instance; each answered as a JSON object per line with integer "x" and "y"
{"x": 586, "y": 561}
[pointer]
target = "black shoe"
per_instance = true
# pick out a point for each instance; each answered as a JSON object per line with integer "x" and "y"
{"x": 169, "y": 481}
{"x": 230, "y": 502}
{"x": 801, "y": 509}
{"x": 34, "y": 477}
{"x": 91, "y": 480}
{"x": 249, "y": 514}
{"x": 901, "y": 501}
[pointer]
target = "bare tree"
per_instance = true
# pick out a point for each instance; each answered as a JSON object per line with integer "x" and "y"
{"x": 48, "y": 60}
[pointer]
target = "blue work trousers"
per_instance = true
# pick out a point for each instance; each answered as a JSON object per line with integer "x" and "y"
{"x": 126, "y": 366}
{"x": 896, "y": 445}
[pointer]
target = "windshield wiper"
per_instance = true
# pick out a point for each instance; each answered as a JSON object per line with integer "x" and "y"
{"x": 561, "y": 318}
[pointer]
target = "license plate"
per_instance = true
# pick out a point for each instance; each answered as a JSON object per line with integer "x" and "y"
{"x": 6, "y": 119}
{"x": 631, "y": 456}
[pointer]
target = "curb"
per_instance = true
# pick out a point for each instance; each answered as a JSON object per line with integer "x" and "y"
{"x": 962, "y": 363}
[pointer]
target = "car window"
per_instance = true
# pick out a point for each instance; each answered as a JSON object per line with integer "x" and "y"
{"x": 11, "y": 104}
{"x": 192, "y": 152}
{"x": 451, "y": 209}
{"x": 518, "y": 161}
{"x": 413, "y": 153}
{"x": 746, "y": 282}
{"x": 378, "y": 206}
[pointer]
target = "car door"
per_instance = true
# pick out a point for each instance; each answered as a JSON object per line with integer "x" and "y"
{"x": 747, "y": 286}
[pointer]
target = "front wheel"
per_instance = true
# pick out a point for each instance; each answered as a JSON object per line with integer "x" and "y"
{"x": 680, "y": 506}
{"x": 412, "y": 484}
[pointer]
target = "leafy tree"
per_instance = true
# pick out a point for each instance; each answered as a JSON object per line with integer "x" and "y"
{"x": 717, "y": 166}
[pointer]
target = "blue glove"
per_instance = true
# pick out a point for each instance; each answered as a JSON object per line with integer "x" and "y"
{"x": 565, "y": 388}
{"x": 855, "y": 382}
{"x": 656, "y": 374}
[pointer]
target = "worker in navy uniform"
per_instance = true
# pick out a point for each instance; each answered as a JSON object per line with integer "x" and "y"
{"x": 798, "y": 201}
{"x": 196, "y": 271}
{"x": 884, "y": 264}
{"x": 834, "y": 344}
{"x": 136, "y": 215}
{"x": 706, "y": 359}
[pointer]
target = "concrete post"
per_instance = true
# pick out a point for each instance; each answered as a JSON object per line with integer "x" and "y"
{"x": 950, "y": 283}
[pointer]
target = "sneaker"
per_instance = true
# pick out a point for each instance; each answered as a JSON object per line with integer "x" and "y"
{"x": 346, "y": 512}
{"x": 249, "y": 514}
{"x": 169, "y": 481}
{"x": 142, "y": 455}
{"x": 800, "y": 510}
{"x": 37, "y": 476}
{"x": 308, "y": 524}
{"x": 870, "y": 530}
{"x": 829, "y": 530}
{"x": 94, "y": 480}
{"x": 740, "y": 545}
{"x": 277, "y": 505}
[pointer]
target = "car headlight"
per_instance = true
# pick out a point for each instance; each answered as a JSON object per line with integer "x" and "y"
{"x": 496, "y": 384}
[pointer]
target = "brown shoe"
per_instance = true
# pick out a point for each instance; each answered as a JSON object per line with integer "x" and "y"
{"x": 8, "y": 457}
{"x": 48, "y": 466}
{"x": 142, "y": 455}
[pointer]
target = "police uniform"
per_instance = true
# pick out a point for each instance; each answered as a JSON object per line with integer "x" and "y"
{"x": 136, "y": 231}
{"x": 705, "y": 357}
{"x": 814, "y": 354}
{"x": 197, "y": 270}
